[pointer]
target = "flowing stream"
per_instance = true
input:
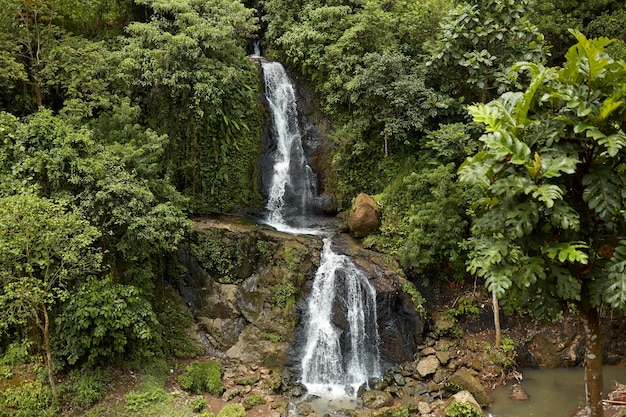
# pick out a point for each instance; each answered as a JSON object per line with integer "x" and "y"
{"x": 341, "y": 347}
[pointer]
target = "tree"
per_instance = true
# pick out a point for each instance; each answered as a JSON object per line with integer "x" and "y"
{"x": 188, "y": 70}
{"x": 103, "y": 321}
{"x": 44, "y": 246}
{"x": 550, "y": 228}
{"x": 481, "y": 39}
{"x": 111, "y": 172}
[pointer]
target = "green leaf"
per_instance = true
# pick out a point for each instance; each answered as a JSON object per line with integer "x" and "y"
{"x": 554, "y": 167}
{"x": 609, "y": 106}
{"x": 601, "y": 192}
{"x": 521, "y": 219}
{"x": 615, "y": 293}
{"x": 548, "y": 193}
{"x": 587, "y": 57}
{"x": 511, "y": 185}
{"x": 613, "y": 143}
{"x": 530, "y": 270}
{"x": 476, "y": 170}
{"x": 498, "y": 282}
{"x": 564, "y": 216}
{"x": 567, "y": 287}
{"x": 504, "y": 146}
{"x": 567, "y": 252}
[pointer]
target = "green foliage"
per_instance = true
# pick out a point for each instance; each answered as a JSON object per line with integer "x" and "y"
{"x": 30, "y": 399}
{"x": 138, "y": 401}
{"x": 253, "y": 400}
{"x": 219, "y": 254}
{"x": 394, "y": 411}
{"x": 551, "y": 171}
{"x": 111, "y": 174}
{"x": 463, "y": 309}
{"x": 423, "y": 217}
{"x": 187, "y": 67}
{"x": 416, "y": 297}
{"x": 273, "y": 337}
{"x": 457, "y": 409}
{"x": 480, "y": 39}
{"x": 104, "y": 321}
{"x": 88, "y": 386}
{"x": 284, "y": 293}
{"x": 17, "y": 353}
{"x": 594, "y": 18}
{"x": 202, "y": 377}
{"x": 508, "y": 345}
{"x": 174, "y": 318}
{"x": 198, "y": 404}
{"x": 232, "y": 410}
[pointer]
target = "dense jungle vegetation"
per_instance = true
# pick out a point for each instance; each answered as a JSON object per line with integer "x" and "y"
{"x": 121, "y": 119}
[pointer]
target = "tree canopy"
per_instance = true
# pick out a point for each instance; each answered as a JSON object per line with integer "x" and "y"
{"x": 550, "y": 223}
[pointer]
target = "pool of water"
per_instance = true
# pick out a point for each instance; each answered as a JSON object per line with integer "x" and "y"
{"x": 552, "y": 392}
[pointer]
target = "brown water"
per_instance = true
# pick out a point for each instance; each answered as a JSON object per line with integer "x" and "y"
{"x": 553, "y": 392}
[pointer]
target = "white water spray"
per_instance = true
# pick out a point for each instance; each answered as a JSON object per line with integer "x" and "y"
{"x": 292, "y": 190}
{"x": 334, "y": 360}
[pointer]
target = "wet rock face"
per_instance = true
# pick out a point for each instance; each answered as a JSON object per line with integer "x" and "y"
{"x": 255, "y": 316}
{"x": 400, "y": 327}
{"x": 558, "y": 345}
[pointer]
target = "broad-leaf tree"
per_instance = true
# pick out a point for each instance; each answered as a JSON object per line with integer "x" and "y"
{"x": 550, "y": 228}
{"x": 188, "y": 69}
{"x": 44, "y": 246}
{"x": 481, "y": 39}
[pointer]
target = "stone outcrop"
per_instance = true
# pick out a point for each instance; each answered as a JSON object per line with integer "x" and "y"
{"x": 428, "y": 365}
{"x": 364, "y": 218}
{"x": 377, "y": 399}
{"x": 249, "y": 286}
{"x": 463, "y": 380}
{"x": 463, "y": 397}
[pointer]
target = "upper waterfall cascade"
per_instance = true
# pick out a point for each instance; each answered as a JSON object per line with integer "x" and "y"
{"x": 341, "y": 346}
{"x": 292, "y": 189}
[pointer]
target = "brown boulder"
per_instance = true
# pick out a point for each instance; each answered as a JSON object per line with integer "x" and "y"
{"x": 364, "y": 218}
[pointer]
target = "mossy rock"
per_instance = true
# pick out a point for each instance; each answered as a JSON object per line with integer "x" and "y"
{"x": 232, "y": 410}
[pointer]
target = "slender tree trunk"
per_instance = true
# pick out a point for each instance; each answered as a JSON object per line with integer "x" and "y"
{"x": 496, "y": 319}
{"x": 594, "y": 384}
{"x": 46, "y": 338}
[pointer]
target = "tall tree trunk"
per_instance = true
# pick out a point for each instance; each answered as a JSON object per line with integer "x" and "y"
{"x": 594, "y": 384}
{"x": 496, "y": 319}
{"x": 46, "y": 337}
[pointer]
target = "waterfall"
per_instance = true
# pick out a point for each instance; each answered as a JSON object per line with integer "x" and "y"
{"x": 341, "y": 330}
{"x": 335, "y": 358}
{"x": 292, "y": 189}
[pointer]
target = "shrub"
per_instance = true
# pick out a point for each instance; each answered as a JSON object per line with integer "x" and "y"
{"x": 232, "y": 410}
{"x": 458, "y": 409}
{"x": 253, "y": 400}
{"x": 202, "y": 377}
{"x": 104, "y": 321}
{"x": 135, "y": 401}
{"x": 17, "y": 353}
{"x": 31, "y": 399}
{"x": 198, "y": 404}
